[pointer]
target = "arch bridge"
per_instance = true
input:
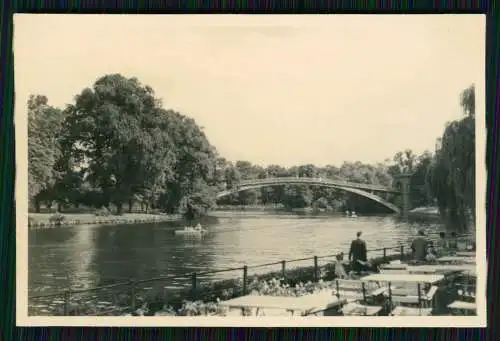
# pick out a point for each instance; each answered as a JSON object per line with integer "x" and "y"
{"x": 364, "y": 190}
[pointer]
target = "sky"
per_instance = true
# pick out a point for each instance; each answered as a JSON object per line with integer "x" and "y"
{"x": 288, "y": 89}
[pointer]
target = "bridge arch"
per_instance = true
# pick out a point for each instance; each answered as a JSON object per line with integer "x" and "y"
{"x": 363, "y": 190}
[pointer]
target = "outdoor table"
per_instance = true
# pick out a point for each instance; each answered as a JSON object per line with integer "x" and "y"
{"x": 431, "y": 279}
{"x": 469, "y": 260}
{"x": 463, "y": 307}
{"x": 304, "y": 303}
{"x": 407, "y": 278}
{"x": 470, "y": 272}
{"x": 441, "y": 268}
{"x": 465, "y": 254}
{"x": 407, "y": 311}
{"x": 353, "y": 309}
{"x": 400, "y": 266}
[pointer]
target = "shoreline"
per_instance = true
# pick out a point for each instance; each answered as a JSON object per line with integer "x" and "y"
{"x": 42, "y": 220}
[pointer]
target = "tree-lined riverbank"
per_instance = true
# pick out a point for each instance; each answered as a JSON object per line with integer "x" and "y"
{"x": 116, "y": 147}
{"x": 41, "y": 220}
{"x": 48, "y": 220}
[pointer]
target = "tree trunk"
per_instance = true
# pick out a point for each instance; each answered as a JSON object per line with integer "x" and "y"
{"x": 119, "y": 208}
{"x": 49, "y": 205}
{"x": 142, "y": 207}
{"x": 130, "y": 204}
{"x": 147, "y": 208}
{"x": 37, "y": 206}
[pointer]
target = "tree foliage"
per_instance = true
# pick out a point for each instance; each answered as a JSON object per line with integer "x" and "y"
{"x": 116, "y": 144}
{"x": 451, "y": 175}
{"x": 44, "y": 125}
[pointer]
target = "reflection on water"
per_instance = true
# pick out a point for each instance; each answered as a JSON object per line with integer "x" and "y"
{"x": 87, "y": 256}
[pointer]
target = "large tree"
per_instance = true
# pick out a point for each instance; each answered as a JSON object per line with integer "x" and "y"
{"x": 44, "y": 126}
{"x": 451, "y": 176}
{"x": 116, "y": 132}
{"x": 195, "y": 160}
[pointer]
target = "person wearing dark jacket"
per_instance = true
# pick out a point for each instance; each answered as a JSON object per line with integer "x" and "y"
{"x": 357, "y": 253}
{"x": 419, "y": 247}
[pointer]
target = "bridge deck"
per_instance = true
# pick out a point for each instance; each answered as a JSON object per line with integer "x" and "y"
{"x": 357, "y": 188}
{"x": 304, "y": 180}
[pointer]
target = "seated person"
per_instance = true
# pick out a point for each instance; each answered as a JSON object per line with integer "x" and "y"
{"x": 431, "y": 253}
{"x": 442, "y": 245}
{"x": 419, "y": 247}
{"x": 339, "y": 267}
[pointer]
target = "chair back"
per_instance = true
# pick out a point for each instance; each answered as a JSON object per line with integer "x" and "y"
{"x": 351, "y": 289}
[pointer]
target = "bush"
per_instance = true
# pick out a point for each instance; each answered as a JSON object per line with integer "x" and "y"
{"x": 102, "y": 212}
{"x": 57, "y": 219}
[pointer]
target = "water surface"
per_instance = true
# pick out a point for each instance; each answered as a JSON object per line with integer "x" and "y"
{"x": 86, "y": 256}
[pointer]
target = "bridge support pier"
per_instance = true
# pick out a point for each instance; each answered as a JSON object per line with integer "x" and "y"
{"x": 404, "y": 181}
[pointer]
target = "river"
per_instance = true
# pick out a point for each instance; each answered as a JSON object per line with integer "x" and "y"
{"x": 81, "y": 257}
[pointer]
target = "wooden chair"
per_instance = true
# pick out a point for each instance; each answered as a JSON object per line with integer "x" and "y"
{"x": 410, "y": 296}
{"x": 355, "y": 290}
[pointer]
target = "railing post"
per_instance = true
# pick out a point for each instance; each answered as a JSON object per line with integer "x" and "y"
{"x": 67, "y": 295}
{"x": 390, "y": 297}
{"x": 133, "y": 295}
{"x": 316, "y": 277}
{"x": 245, "y": 276}
{"x": 385, "y": 255}
{"x": 402, "y": 251}
{"x": 193, "y": 281}
{"x": 419, "y": 296}
{"x": 283, "y": 269}
{"x": 364, "y": 292}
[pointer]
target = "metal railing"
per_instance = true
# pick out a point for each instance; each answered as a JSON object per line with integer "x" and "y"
{"x": 195, "y": 276}
{"x": 281, "y": 180}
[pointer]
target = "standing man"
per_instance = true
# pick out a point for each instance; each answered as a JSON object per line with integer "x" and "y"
{"x": 419, "y": 246}
{"x": 357, "y": 253}
{"x": 442, "y": 245}
{"x": 452, "y": 243}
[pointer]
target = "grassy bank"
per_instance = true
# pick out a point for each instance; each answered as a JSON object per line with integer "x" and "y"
{"x": 46, "y": 220}
{"x": 249, "y": 208}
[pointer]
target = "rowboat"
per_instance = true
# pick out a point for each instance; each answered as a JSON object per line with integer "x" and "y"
{"x": 188, "y": 230}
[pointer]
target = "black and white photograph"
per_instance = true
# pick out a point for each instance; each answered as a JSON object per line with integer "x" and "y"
{"x": 250, "y": 170}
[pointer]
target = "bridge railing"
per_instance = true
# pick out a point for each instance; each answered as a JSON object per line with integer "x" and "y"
{"x": 66, "y": 302}
{"x": 316, "y": 180}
